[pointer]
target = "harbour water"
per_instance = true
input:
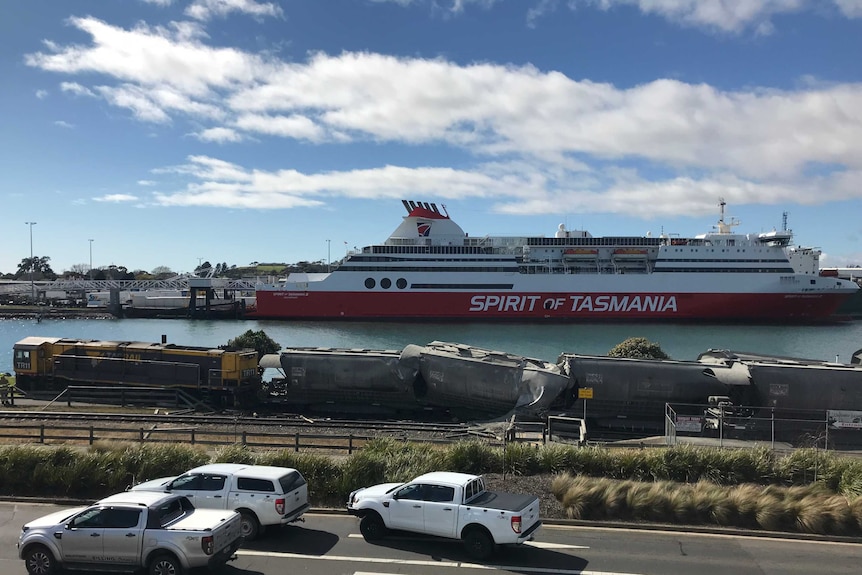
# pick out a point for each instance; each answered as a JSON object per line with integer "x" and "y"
{"x": 680, "y": 341}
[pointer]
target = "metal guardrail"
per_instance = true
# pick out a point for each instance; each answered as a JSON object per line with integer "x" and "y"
{"x": 724, "y": 421}
{"x": 567, "y": 428}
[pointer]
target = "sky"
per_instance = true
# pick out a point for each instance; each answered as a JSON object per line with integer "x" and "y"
{"x": 149, "y": 133}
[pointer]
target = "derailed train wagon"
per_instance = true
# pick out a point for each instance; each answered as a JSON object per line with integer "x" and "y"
{"x": 796, "y": 387}
{"x": 627, "y": 393}
{"x": 439, "y": 379}
{"x": 337, "y": 380}
{"x": 48, "y": 365}
{"x": 471, "y": 380}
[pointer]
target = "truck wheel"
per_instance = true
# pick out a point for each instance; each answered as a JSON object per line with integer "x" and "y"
{"x": 372, "y": 527}
{"x": 249, "y": 526}
{"x": 39, "y": 561}
{"x": 478, "y": 544}
{"x": 165, "y": 564}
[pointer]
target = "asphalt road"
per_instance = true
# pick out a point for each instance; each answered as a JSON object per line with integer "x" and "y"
{"x": 331, "y": 544}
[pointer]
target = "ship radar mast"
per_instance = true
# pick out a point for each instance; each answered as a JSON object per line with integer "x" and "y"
{"x": 725, "y": 227}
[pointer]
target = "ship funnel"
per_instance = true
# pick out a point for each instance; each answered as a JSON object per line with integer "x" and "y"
{"x": 406, "y": 205}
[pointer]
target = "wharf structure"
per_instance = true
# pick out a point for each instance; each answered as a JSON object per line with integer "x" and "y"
{"x": 181, "y": 296}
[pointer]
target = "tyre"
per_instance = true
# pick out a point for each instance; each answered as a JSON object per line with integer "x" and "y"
{"x": 39, "y": 561}
{"x": 479, "y": 544}
{"x": 249, "y": 525}
{"x": 165, "y": 564}
{"x": 372, "y": 527}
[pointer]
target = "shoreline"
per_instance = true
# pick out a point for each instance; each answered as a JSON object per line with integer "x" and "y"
{"x": 39, "y": 312}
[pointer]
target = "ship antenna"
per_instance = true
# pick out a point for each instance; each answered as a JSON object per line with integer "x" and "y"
{"x": 724, "y": 228}
{"x": 784, "y": 221}
{"x": 445, "y": 211}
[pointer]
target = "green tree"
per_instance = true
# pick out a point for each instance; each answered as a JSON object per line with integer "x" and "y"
{"x": 38, "y": 265}
{"x": 638, "y": 348}
{"x": 114, "y": 272}
{"x": 256, "y": 340}
{"x": 162, "y": 272}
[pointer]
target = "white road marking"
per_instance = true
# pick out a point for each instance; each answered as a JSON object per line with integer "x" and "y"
{"x": 537, "y": 544}
{"x": 758, "y": 536}
{"x": 423, "y": 563}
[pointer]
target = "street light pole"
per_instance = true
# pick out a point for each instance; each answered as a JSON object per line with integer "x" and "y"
{"x": 32, "y": 285}
{"x": 91, "y": 259}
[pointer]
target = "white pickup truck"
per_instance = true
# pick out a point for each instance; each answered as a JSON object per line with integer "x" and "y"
{"x": 451, "y": 505}
{"x": 263, "y": 495}
{"x": 128, "y": 532}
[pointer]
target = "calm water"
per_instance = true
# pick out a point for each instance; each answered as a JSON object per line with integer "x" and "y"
{"x": 539, "y": 341}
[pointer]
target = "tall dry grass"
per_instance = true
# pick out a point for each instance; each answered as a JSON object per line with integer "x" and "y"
{"x": 811, "y": 508}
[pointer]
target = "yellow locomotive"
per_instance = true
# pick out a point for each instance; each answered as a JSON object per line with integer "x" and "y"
{"x": 221, "y": 376}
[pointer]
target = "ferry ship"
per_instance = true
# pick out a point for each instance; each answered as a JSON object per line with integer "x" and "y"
{"x": 429, "y": 269}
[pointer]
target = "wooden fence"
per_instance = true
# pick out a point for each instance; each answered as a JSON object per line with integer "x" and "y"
{"x": 62, "y": 433}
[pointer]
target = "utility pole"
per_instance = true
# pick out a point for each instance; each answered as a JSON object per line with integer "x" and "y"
{"x": 91, "y": 259}
{"x": 32, "y": 285}
{"x": 328, "y": 256}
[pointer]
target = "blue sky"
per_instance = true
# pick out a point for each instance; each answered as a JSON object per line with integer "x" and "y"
{"x": 170, "y": 131}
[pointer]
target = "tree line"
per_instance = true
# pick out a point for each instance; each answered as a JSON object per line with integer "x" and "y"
{"x": 38, "y": 268}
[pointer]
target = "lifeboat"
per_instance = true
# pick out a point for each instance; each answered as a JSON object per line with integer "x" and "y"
{"x": 580, "y": 254}
{"x": 629, "y": 253}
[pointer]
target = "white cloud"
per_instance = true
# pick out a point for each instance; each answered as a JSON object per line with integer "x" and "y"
{"x": 151, "y": 57}
{"x": 539, "y": 9}
{"x": 732, "y": 16}
{"x": 729, "y": 16}
{"x": 540, "y": 135}
{"x": 116, "y": 198}
{"x": 77, "y": 89}
{"x": 293, "y": 126}
{"x": 41, "y": 94}
{"x": 219, "y": 135}
{"x": 850, "y": 8}
{"x": 517, "y": 188}
{"x": 64, "y": 124}
{"x": 146, "y": 183}
{"x": 159, "y": 2}
{"x": 208, "y": 9}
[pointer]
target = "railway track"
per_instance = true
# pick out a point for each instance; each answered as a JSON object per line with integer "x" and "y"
{"x": 227, "y": 421}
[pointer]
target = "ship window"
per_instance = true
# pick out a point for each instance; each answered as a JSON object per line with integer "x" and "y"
{"x": 370, "y": 283}
{"x": 401, "y": 283}
{"x": 386, "y": 283}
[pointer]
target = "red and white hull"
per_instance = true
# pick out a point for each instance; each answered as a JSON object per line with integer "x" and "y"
{"x": 429, "y": 269}
{"x": 562, "y": 306}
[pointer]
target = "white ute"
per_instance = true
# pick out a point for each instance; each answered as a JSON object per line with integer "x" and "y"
{"x": 450, "y": 505}
{"x": 263, "y": 495}
{"x": 159, "y": 532}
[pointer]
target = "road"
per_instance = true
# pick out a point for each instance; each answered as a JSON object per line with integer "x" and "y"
{"x": 331, "y": 544}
